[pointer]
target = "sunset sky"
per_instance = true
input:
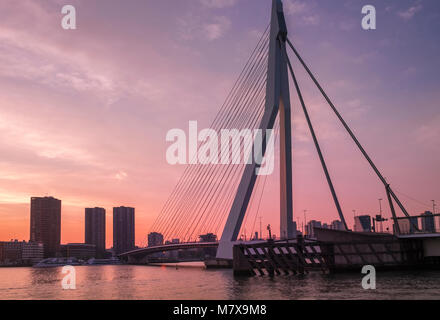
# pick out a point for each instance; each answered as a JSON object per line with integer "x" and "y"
{"x": 84, "y": 113}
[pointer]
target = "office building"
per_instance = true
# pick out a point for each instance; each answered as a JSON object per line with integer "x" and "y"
{"x": 95, "y": 229}
{"x": 46, "y": 224}
{"x": 413, "y": 224}
{"x": 296, "y": 232}
{"x": 428, "y": 223}
{"x": 20, "y": 252}
{"x": 78, "y": 250}
{"x": 123, "y": 229}
{"x": 155, "y": 239}
{"x": 11, "y": 251}
{"x": 407, "y": 226}
{"x": 337, "y": 225}
{"x": 173, "y": 241}
{"x": 310, "y": 232}
{"x": 32, "y": 252}
{"x": 362, "y": 223}
{"x": 210, "y": 237}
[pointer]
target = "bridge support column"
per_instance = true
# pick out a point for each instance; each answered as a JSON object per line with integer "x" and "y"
{"x": 277, "y": 102}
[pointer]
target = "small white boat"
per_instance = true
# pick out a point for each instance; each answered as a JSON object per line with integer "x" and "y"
{"x": 112, "y": 261}
{"x": 58, "y": 262}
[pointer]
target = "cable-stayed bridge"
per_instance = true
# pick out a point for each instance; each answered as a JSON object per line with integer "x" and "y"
{"x": 217, "y": 198}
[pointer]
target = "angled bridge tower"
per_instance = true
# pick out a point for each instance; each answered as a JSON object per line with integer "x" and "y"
{"x": 277, "y": 103}
{"x": 192, "y": 208}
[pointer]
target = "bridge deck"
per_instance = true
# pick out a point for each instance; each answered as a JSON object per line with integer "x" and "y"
{"x": 143, "y": 252}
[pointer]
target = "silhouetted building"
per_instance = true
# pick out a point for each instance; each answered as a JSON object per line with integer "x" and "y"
{"x": 123, "y": 229}
{"x": 155, "y": 239}
{"x": 311, "y": 226}
{"x": 78, "y": 250}
{"x": 208, "y": 252}
{"x": 337, "y": 225}
{"x": 362, "y": 223}
{"x": 32, "y": 252}
{"x": 428, "y": 223}
{"x": 21, "y": 252}
{"x": 11, "y": 251}
{"x": 46, "y": 224}
{"x": 413, "y": 224}
{"x": 210, "y": 237}
{"x": 296, "y": 232}
{"x": 407, "y": 226}
{"x": 95, "y": 229}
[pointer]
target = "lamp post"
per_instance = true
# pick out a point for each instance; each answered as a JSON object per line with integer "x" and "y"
{"x": 305, "y": 222}
{"x": 380, "y": 212}
{"x": 354, "y": 218}
{"x": 261, "y": 228}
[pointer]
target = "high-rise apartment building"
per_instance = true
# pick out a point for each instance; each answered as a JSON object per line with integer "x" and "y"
{"x": 95, "y": 229}
{"x": 123, "y": 229}
{"x": 46, "y": 224}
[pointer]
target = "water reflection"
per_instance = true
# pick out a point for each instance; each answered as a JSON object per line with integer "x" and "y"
{"x": 194, "y": 282}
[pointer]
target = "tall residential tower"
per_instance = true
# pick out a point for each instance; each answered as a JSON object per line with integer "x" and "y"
{"x": 95, "y": 229}
{"x": 46, "y": 224}
{"x": 123, "y": 229}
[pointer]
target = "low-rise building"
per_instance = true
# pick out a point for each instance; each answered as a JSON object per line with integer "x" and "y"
{"x": 16, "y": 252}
{"x": 155, "y": 239}
{"x": 78, "y": 250}
{"x": 337, "y": 225}
{"x": 210, "y": 237}
{"x": 311, "y": 226}
{"x": 33, "y": 252}
{"x": 428, "y": 222}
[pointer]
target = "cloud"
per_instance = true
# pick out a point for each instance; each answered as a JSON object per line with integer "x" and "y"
{"x": 410, "y": 71}
{"x": 28, "y": 58}
{"x": 192, "y": 27}
{"x": 410, "y": 12}
{"x": 312, "y": 20}
{"x": 364, "y": 58}
{"x": 218, "y": 28}
{"x": 121, "y": 175}
{"x": 218, "y": 3}
{"x": 297, "y": 7}
{"x": 20, "y": 134}
{"x": 356, "y": 109}
{"x": 429, "y": 133}
{"x": 347, "y": 25}
{"x": 293, "y": 7}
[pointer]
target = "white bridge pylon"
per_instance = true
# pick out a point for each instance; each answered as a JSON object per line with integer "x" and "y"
{"x": 277, "y": 103}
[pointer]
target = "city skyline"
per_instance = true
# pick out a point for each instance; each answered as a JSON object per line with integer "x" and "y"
{"x": 109, "y": 108}
{"x": 95, "y": 234}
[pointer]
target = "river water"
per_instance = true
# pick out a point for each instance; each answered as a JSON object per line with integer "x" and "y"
{"x": 192, "y": 281}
